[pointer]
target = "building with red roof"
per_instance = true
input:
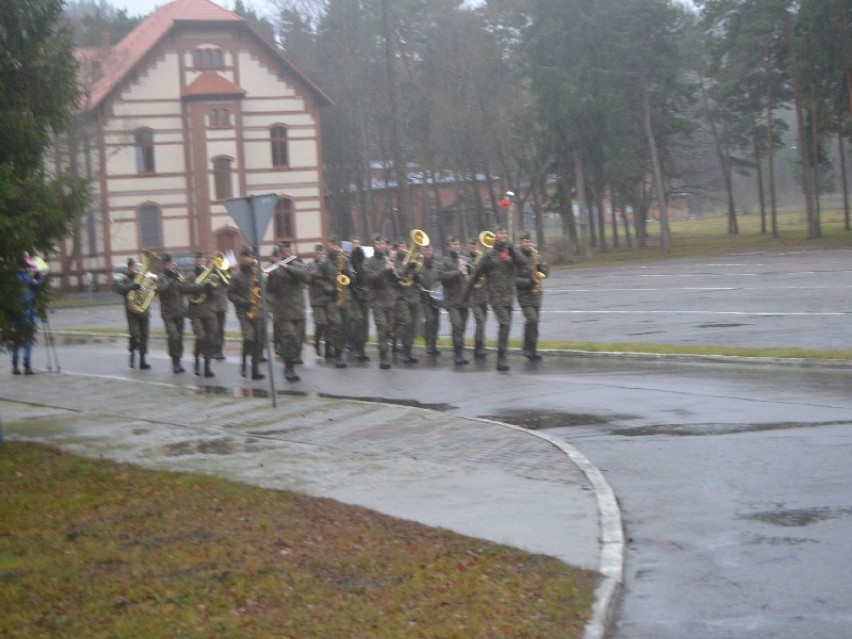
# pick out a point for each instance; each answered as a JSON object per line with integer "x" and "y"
{"x": 192, "y": 107}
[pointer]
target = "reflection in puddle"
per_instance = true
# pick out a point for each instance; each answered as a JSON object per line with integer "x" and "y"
{"x": 542, "y": 419}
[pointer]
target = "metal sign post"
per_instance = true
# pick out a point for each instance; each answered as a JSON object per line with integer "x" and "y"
{"x": 252, "y": 214}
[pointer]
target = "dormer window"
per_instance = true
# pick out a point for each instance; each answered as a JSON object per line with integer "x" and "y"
{"x": 208, "y": 58}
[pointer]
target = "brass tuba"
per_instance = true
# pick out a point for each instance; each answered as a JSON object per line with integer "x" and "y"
{"x": 139, "y": 301}
{"x": 217, "y": 267}
{"x": 419, "y": 239}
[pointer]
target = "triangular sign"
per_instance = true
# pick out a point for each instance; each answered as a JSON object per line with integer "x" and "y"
{"x": 252, "y": 214}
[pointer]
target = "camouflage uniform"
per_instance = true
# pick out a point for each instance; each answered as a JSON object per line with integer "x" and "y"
{"x": 172, "y": 289}
{"x": 382, "y": 285}
{"x": 456, "y": 284}
{"x": 240, "y": 288}
{"x": 430, "y": 309}
{"x": 478, "y": 302}
{"x": 205, "y": 323}
{"x": 287, "y": 299}
{"x": 138, "y": 324}
{"x": 529, "y": 300}
{"x": 501, "y": 266}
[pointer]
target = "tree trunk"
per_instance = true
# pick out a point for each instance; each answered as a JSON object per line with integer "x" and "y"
{"x": 844, "y": 179}
{"x": 403, "y": 217}
{"x": 665, "y": 236}
{"x": 760, "y": 194}
{"x": 581, "y": 205}
{"x": 770, "y": 128}
{"x": 723, "y": 163}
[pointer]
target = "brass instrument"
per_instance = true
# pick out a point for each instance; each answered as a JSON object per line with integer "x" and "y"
{"x": 537, "y": 276}
{"x": 486, "y": 242}
{"x": 218, "y": 267}
{"x": 255, "y": 293}
{"x": 419, "y": 239}
{"x": 139, "y": 301}
{"x": 342, "y": 280}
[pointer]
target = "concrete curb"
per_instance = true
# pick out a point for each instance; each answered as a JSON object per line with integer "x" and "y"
{"x": 612, "y": 546}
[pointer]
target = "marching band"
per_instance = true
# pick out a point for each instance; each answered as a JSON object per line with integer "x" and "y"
{"x": 402, "y": 285}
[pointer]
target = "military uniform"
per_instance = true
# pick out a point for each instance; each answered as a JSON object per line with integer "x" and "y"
{"x": 529, "y": 299}
{"x": 203, "y": 311}
{"x": 382, "y": 285}
{"x": 407, "y": 306}
{"x": 285, "y": 287}
{"x": 455, "y": 278}
{"x": 138, "y": 323}
{"x": 360, "y": 332}
{"x": 502, "y": 265}
{"x": 478, "y": 303}
{"x": 340, "y": 309}
{"x": 172, "y": 289}
{"x": 428, "y": 306}
{"x": 242, "y": 294}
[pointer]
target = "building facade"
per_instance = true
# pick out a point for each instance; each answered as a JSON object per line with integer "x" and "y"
{"x": 189, "y": 109}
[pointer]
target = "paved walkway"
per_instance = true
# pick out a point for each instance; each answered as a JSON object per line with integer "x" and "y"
{"x": 475, "y": 477}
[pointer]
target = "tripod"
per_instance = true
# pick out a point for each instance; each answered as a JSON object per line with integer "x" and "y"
{"x": 50, "y": 345}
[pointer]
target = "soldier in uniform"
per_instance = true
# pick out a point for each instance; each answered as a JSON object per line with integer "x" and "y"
{"x": 529, "y": 295}
{"x": 172, "y": 287}
{"x": 319, "y": 298}
{"x": 285, "y": 285}
{"x": 455, "y": 276}
{"x": 221, "y": 308}
{"x": 340, "y": 310}
{"x": 478, "y": 302}
{"x": 360, "y": 332}
{"x": 244, "y": 293}
{"x": 381, "y": 278}
{"x": 502, "y": 265}
{"x": 203, "y": 307}
{"x": 138, "y": 323}
{"x": 428, "y": 304}
{"x": 407, "y": 303}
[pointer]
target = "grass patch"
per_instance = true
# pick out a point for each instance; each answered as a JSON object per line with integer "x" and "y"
{"x": 91, "y": 548}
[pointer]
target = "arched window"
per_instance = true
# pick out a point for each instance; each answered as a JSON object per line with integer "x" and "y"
{"x": 208, "y": 58}
{"x": 285, "y": 228}
{"x": 144, "y": 141}
{"x": 222, "y": 177}
{"x": 278, "y": 139}
{"x": 150, "y": 234}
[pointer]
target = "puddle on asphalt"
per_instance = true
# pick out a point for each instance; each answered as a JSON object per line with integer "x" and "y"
{"x": 797, "y": 517}
{"x": 705, "y": 430}
{"x": 540, "y": 420}
{"x": 720, "y": 325}
{"x": 411, "y": 403}
{"x": 219, "y": 446}
{"x": 242, "y": 391}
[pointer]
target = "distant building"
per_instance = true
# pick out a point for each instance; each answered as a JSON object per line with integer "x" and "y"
{"x": 192, "y": 107}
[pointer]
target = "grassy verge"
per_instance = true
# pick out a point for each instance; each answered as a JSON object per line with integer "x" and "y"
{"x": 90, "y": 548}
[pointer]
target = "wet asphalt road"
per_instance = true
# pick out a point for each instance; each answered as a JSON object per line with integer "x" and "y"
{"x": 734, "y": 478}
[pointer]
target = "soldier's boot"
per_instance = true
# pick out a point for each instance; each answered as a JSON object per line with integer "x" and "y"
{"x": 394, "y": 348}
{"x": 132, "y": 359}
{"x": 384, "y": 360}
{"x": 534, "y": 354}
{"x": 432, "y": 350}
{"x": 502, "y": 362}
{"x": 255, "y": 369}
{"x": 243, "y": 357}
{"x": 460, "y": 359}
{"x": 176, "y": 365}
{"x": 338, "y": 359}
{"x": 360, "y": 355}
{"x": 318, "y": 342}
{"x": 197, "y": 367}
{"x": 329, "y": 351}
{"x": 208, "y": 372}
{"x": 527, "y": 349}
{"x": 407, "y": 357}
{"x": 143, "y": 365}
{"x": 289, "y": 371}
{"x": 479, "y": 351}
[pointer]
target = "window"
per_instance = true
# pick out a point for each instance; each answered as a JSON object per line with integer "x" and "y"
{"x": 284, "y": 223}
{"x": 149, "y": 226}
{"x": 278, "y": 138}
{"x": 208, "y": 58}
{"x": 222, "y": 177}
{"x": 219, "y": 118}
{"x": 144, "y": 140}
